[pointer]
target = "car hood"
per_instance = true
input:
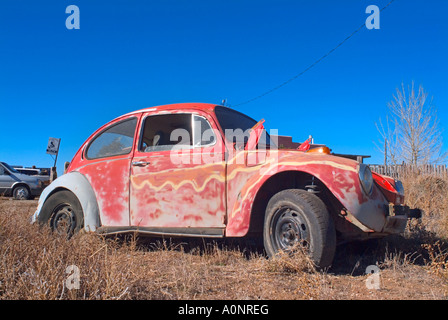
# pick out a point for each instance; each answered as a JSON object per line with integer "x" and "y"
{"x": 386, "y": 184}
{"x": 301, "y": 157}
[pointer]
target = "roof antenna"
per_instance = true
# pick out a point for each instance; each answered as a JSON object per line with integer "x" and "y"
{"x": 225, "y": 104}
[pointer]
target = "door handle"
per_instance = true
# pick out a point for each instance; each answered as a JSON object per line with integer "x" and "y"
{"x": 140, "y": 163}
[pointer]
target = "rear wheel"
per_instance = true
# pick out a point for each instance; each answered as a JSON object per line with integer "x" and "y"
{"x": 298, "y": 218}
{"x": 63, "y": 212}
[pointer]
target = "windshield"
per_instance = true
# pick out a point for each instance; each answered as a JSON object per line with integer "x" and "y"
{"x": 9, "y": 168}
{"x": 236, "y": 125}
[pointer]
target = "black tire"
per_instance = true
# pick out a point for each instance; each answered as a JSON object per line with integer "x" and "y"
{"x": 21, "y": 192}
{"x": 63, "y": 212}
{"x": 297, "y": 217}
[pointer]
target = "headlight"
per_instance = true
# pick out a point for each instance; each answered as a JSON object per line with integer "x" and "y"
{"x": 365, "y": 176}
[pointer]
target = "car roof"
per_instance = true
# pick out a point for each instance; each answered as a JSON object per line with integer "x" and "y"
{"x": 207, "y": 107}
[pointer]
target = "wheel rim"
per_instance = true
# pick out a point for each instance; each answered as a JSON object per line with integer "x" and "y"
{"x": 22, "y": 193}
{"x": 64, "y": 219}
{"x": 290, "y": 229}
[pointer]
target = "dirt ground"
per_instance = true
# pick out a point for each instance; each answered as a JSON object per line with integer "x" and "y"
{"x": 33, "y": 265}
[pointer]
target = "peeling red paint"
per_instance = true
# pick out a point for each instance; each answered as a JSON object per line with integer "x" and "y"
{"x": 110, "y": 182}
{"x": 216, "y": 194}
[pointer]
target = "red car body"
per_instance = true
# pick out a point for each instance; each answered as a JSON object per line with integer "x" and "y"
{"x": 225, "y": 196}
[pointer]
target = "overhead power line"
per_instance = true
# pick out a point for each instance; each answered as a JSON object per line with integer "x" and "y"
{"x": 311, "y": 65}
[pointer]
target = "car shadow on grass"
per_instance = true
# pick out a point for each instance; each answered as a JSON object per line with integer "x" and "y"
{"x": 415, "y": 248}
{"x": 351, "y": 258}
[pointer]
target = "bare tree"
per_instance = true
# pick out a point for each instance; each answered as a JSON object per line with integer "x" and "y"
{"x": 411, "y": 133}
{"x": 389, "y": 144}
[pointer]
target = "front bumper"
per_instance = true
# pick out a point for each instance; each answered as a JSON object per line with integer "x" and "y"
{"x": 397, "y": 217}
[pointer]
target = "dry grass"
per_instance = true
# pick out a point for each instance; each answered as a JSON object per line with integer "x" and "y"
{"x": 429, "y": 193}
{"x": 33, "y": 264}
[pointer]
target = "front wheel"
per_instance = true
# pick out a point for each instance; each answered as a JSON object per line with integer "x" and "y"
{"x": 298, "y": 218}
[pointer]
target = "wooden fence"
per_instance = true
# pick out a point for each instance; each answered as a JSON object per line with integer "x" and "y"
{"x": 397, "y": 171}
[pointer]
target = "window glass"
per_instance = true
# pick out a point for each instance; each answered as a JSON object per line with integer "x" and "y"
{"x": 163, "y": 132}
{"x": 203, "y": 132}
{"x": 230, "y": 119}
{"x": 114, "y": 141}
{"x": 9, "y": 167}
{"x": 236, "y": 126}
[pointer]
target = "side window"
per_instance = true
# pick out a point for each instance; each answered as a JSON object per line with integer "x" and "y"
{"x": 163, "y": 132}
{"x": 203, "y": 132}
{"x": 116, "y": 140}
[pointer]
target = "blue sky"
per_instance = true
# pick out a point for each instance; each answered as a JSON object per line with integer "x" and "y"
{"x": 128, "y": 55}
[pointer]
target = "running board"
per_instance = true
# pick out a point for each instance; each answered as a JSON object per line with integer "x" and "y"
{"x": 169, "y": 232}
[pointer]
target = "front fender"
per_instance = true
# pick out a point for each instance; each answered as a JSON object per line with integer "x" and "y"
{"x": 81, "y": 188}
{"x": 339, "y": 175}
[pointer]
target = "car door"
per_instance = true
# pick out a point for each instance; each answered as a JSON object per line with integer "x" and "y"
{"x": 178, "y": 175}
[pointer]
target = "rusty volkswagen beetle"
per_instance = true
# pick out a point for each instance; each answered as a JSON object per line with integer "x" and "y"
{"x": 204, "y": 170}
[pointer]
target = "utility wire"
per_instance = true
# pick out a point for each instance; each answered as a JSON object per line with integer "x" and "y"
{"x": 310, "y": 66}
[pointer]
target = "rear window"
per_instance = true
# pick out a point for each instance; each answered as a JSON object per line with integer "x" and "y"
{"x": 116, "y": 140}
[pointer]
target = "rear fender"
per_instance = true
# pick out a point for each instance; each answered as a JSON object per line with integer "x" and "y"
{"x": 81, "y": 188}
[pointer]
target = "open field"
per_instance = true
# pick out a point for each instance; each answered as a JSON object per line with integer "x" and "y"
{"x": 33, "y": 263}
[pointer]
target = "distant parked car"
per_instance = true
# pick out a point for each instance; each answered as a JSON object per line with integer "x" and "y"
{"x": 41, "y": 174}
{"x": 28, "y": 171}
{"x": 19, "y": 185}
{"x": 134, "y": 175}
